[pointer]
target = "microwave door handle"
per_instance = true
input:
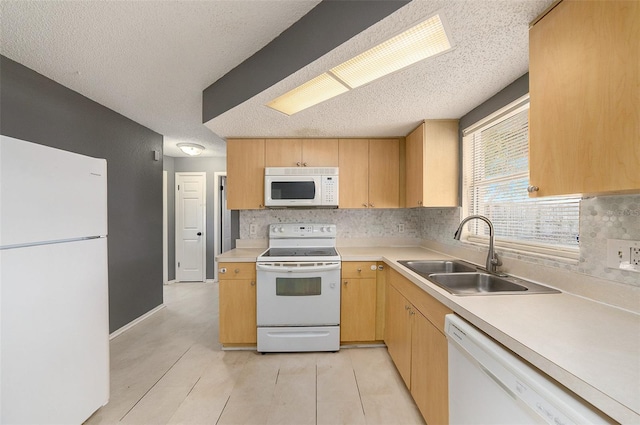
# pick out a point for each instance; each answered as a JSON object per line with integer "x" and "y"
{"x": 296, "y": 269}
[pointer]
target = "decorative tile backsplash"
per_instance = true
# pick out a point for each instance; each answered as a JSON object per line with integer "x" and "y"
{"x": 601, "y": 218}
{"x": 365, "y": 223}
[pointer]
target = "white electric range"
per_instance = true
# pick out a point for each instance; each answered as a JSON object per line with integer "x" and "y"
{"x": 298, "y": 289}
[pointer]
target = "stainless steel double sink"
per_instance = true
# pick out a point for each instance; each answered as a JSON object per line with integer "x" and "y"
{"x": 461, "y": 278}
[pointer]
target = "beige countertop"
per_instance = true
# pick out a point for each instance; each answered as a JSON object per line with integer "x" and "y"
{"x": 591, "y": 348}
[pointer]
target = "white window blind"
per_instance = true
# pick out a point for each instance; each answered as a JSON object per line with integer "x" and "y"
{"x": 495, "y": 180}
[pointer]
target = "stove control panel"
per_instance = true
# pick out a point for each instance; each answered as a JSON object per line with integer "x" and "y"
{"x": 298, "y": 230}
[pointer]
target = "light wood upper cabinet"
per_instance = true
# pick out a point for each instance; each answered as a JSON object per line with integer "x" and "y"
{"x": 432, "y": 160}
{"x": 584, "y": 74}
{"x": 283, "y": 153}
{"x": 237, "y": 303}
{"x": 320, "y": 152}
{"x": 354, "y": 173}
{"x": 301, "y": 153}
{"x": 384, "y": 173}
{"x": 245, "y": 174}
{"x": 369, "y": 173}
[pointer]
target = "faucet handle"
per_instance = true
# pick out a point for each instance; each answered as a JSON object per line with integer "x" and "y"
{"x": 496, "y": 260}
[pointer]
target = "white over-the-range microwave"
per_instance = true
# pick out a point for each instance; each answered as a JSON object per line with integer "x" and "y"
{"x": 301, "y": 187}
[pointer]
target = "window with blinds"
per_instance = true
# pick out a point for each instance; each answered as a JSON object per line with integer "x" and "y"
{"x": 495, "y": 181}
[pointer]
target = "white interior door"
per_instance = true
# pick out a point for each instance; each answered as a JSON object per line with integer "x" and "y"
{"x": 191, "y": 238}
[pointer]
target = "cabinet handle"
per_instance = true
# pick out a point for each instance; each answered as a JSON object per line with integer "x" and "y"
{"x": 236, "y": 271}
{"x": 419, "y": 202}
{"x": 532, "y": 189}
{"x": 304, "y": 164}
{"x": 372, "y": 206}
{"x": 345, "y": 282}
{"x": 380, "y": 267}
{"x": 406, "y": 307}
{"x": 253, "y": 283}
{"x": 364, "y": 205}
{"x": 359, "y": 270}
{"x": 411, "y": 313}
{"x": 260, "y": 206}
{"x": 298, "y": 164}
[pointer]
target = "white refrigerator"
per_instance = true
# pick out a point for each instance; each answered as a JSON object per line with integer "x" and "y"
{"x": 54, "y": 333}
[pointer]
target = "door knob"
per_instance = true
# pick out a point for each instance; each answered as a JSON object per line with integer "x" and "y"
{"x": 199, "y": 233}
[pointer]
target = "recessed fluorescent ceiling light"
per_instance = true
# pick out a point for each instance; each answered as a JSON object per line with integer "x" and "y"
{"x": 417, "y": 43}
{"x": 312, "y": 92}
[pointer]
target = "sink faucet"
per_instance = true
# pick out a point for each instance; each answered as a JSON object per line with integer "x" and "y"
{"x": 492, "y": 258}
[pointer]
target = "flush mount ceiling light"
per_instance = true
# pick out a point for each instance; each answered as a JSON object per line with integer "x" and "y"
{"x": 417, "y": 43}
{"x": 191, "y": 148}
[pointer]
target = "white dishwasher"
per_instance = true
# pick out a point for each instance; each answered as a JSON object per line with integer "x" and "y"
{"x": 490, "y": 385}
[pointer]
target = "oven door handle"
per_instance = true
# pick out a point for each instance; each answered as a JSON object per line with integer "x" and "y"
{"x": 299, "y": 269}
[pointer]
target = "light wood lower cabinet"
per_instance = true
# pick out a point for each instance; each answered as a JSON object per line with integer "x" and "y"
{"x": 414, "y": 334}
{"x": 237, "y": 303}
{"x": 429, "y": 377}
{"x": 358, "y": 301}
{"x": 362, "y": 301}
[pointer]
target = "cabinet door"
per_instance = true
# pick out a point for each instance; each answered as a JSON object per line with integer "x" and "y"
{"x": 398, "y": 332}
{"x": 320, "y": 153}
{"x": 283, "y": 153}
{"x": 584, "y": 112}
{"x": 414, "y": 167}
{"x": 384, "y": 173}
{"x": 354, "y": 173}
{"x": 429, "y": 366}
{"x": 432, "y": 164}
{"x": 237, "y": 307}
{"x": 441, "y": 159}
{"x": 245, "y": 174}
{"x": 358, "y": 310}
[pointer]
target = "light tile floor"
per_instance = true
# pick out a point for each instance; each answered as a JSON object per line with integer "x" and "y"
{"x": 170, "y": 369}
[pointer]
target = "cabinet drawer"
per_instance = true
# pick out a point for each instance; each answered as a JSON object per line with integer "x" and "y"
{"x": 359, "y": 269}
{"x": 237, "y": 271}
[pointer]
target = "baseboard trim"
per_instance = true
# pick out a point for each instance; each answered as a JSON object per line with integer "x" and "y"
{"x": 135, "y": 322}
{"x": 169, "y": 282}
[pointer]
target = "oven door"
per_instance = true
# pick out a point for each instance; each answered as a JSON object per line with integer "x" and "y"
{"x": 292, "y": 191}
{"x": 298, "y": 294}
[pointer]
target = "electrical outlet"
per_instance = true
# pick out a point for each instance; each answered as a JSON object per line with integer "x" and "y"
{"x": 253, "y": 229}
{"x": 401, "y": 228}
{"x": 623, "y": 254}
{"x": 635, "y": 256}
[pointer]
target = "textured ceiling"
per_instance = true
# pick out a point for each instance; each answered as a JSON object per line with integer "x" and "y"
{"x": 150, "y": 61}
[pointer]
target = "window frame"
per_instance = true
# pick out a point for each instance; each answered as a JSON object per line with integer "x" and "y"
{"x": 567, "y": 254}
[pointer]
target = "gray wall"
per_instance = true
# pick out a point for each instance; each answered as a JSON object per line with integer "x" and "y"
{"x": 208, "y": 165}
{"x": 513, "y": 91}
{"x": 37, "y": 109}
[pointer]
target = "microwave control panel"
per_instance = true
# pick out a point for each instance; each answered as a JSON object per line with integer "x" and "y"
{"x": 329, "y": 190}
